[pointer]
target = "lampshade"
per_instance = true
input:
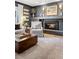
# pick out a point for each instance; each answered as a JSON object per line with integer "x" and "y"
{"x": 33, "y": 10}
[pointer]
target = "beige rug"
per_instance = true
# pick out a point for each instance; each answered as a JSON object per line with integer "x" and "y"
{"x": 46, "y": 48}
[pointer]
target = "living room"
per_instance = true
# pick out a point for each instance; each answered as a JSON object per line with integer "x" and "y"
{"x": 20, "y": 37}
{"x": 39, "y": 28}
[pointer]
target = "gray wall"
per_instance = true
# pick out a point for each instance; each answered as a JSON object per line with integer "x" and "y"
{"x": 39, "y": 9}
{"x": 61, "y": 25}
{"x": 39, "y": 13}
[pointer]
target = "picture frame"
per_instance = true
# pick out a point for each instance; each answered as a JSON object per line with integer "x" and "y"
{"x": 51, "y": 10}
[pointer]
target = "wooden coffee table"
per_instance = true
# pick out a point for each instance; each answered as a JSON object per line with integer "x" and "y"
{"x": 25, "y": 43}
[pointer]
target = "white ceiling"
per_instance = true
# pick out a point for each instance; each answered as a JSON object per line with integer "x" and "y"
{"x": 36, "y": 2}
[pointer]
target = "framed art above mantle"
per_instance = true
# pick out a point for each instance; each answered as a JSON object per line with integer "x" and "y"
{"x": 51, "y": 10}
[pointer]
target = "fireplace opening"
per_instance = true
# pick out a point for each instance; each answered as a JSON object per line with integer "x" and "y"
{"x": 54, "y": 25}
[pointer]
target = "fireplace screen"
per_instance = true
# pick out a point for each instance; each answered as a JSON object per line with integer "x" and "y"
{"x": 54, "y": 25}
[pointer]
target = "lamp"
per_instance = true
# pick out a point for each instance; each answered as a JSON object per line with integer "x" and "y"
{"x": 61, "y": 8}
{"x": 33, "y": 12}
{"x": 43, "y": 10}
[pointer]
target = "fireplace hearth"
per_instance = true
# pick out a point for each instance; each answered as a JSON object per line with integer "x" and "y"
{"x": 53, "y": 25}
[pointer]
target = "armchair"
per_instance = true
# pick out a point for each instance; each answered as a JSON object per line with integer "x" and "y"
{"x": 36, "y": 28}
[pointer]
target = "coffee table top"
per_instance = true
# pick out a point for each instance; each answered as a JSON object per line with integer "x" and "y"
{"x": 25, "y": 38}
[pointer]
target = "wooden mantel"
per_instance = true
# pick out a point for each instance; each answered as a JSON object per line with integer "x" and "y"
{"x": 49, "y": 17}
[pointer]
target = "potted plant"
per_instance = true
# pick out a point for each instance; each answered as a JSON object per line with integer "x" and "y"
{"x": 26, "y": 27}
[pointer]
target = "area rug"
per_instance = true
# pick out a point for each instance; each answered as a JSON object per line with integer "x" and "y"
{"x": 46, "y": 48}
